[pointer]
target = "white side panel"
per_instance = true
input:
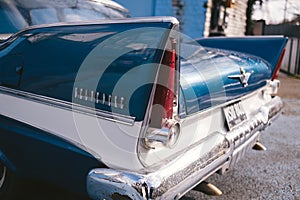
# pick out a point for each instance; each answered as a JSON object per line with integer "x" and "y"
{"x": 112, "y": 142}
{"x": 200, "y": 126}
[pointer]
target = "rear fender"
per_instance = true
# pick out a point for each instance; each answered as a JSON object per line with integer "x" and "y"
{"x": 268, "y": 48}
{"x": 7, "y": 162}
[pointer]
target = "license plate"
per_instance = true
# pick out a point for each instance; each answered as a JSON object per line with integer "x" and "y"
{"x": 234, "y": 115}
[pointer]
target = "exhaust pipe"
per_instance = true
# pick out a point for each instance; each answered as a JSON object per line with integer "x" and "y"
{"x": 259, "y": 146}
{"x": 208, "y": 189}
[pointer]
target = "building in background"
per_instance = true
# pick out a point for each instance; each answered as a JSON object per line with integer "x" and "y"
{"x": 190, "y": 13}
{"x": 291, "y": 59}
{"x": 226, "y": 17}
{"x": 146, "y": 8}
{"x": 274, "y": 18}
{"x": 198, "y": 18}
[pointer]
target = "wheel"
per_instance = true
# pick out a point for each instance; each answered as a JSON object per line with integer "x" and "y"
{"x": 8, "y": 183}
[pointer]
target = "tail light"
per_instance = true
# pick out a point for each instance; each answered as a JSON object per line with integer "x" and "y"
{"x": 277, "y": 68}
{"x": 165, "y": 88}
{"x": 163, "y": 129}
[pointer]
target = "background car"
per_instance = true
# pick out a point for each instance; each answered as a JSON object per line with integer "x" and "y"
{"x": 15, "y": 15}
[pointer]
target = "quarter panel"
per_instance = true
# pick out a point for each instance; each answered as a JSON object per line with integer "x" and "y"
{"x": 36, "y": 154}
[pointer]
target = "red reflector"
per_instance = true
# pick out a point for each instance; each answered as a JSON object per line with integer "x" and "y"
{"x": 277, "y": 68}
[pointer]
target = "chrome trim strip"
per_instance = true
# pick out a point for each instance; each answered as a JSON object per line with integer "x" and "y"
{"x": 208, "y": 111}
{"x": 153, "y": 19}
{"x": 115, "y": 117}
{"x": 257, "y": 122}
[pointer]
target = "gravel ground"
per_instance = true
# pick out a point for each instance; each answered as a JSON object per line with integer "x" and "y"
{"x": 271, "y": 174}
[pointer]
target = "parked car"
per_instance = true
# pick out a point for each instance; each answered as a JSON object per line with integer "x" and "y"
{"x": 126, "y": 108}
{"x": 16, "y": 15}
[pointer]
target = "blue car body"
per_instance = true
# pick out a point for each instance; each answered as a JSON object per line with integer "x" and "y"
{"x": 40, "y": 65}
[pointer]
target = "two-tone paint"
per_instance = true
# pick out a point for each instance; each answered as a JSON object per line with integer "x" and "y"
{"x": 41, "y": 92}
{"x": 44, "y": 98}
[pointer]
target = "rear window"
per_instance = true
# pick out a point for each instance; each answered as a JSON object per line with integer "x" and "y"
{"x": 76, "y": 15}
{"x": 43, "y": 16}
{"x": 15, "y": 15}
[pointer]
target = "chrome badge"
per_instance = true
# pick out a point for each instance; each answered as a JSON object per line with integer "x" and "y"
{"x": 243, "y": 77}
{"x": 99, "y": 98}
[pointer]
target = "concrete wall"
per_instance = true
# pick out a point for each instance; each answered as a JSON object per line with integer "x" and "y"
{"x": 163, "y": 8}
{"x": 194, "y": 17}
{"x": 193, "y": 12}
{"x": 144, "y": 8}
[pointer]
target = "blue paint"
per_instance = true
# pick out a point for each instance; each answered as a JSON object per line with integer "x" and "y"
{"x": 7, "y": 162}
{"x": 36, "y": 154}
{"x": 51, "y": 58}
{"x": 205, "y": 82}
{"x": 267, "y": 48}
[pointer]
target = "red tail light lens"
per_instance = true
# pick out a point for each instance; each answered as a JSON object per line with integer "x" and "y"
{"x": 165, "y": 90}
{"x": 163, "y": 129}
{"x": 277, "y": 68}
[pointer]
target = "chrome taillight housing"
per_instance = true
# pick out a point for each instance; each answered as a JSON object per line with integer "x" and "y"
{"x": 164, "y": 129}
{"x": 166, "y": 136}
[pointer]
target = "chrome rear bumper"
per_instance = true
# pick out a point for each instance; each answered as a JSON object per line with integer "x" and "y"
{"x": 169, "y": 182}
{"x": 185, "y": 172}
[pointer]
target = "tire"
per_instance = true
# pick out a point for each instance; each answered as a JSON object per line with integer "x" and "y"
{"x": 8, "y": 183}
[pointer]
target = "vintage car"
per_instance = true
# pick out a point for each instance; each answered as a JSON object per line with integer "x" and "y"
{"x": 127, "y": 108}
{"x": 16, "y": 15}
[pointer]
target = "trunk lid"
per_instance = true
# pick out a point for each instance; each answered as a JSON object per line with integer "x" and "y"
{"x": 211, "y": 77}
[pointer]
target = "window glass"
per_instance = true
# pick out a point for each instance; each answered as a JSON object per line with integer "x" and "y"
{"x": 5, "y": 24}
{"x": 76, "y": 15}
{"x": 108, "y": 12}
{"x": 10, "y": 20}
{"x": 43, "y": 16}
{"x": 11, "y": 71}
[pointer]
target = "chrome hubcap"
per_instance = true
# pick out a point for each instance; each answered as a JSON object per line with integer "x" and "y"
{"x": 2, "y": 174}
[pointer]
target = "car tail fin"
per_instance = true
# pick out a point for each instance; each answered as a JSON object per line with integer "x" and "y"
{"x": 277, "y": 68}
{"x": 163, "y": 128}
{"x": 269, "y": 48}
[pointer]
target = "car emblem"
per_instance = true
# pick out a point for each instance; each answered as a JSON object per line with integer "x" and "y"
{"x": 243, "y": 77}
